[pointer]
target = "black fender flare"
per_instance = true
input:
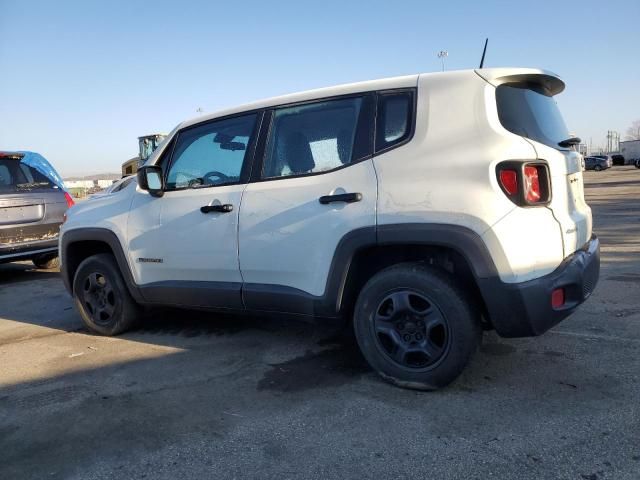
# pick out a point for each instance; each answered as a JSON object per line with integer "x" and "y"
{"x": 103, "y": 235}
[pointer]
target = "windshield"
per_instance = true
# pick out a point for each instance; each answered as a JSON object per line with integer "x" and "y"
{"x": 527, "y": 111}
{"x": 16, "y": 176}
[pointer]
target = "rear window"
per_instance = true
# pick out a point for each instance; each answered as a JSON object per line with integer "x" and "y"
{"x": 528, "y": 111}
{"x": 16, "y": 176}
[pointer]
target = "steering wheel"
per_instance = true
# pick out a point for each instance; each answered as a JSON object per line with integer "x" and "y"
{"x": 206, "y": 177}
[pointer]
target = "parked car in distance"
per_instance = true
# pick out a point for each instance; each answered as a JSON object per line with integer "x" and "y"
{"x": 33, "y": 203}
{"x": 618, "y": 159}
{"x": 399, "y": 205}
{"x": 607, "y": 158}
{"x": 596, "y": 163}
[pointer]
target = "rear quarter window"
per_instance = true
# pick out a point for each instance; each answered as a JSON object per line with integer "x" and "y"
{"x": 394, "y": 119}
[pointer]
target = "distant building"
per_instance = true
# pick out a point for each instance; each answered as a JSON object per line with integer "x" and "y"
{"x": 105, "y": 183}
{"x": 630, "y": 150}
{"x": 79, "y": 183}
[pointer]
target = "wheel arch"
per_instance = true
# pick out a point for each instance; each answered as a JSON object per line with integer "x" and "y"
{"x": 455, "y": 249}
{"x": 77, "y": 245}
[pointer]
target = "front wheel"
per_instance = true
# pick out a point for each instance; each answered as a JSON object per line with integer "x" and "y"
{"x": 597, "y": 168}
{"x": 415, "y": 327}
{"x": 101, "y": 296}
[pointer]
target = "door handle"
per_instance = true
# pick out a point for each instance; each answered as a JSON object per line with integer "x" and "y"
{"x": 226, "y": 208}
{"x": 340, "y": 197}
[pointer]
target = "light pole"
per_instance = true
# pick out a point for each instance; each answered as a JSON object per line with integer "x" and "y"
{"x": 441, "y": 55}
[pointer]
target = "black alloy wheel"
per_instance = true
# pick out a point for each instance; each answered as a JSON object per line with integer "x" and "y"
{"x": 411, "y": 329}
{"x": 99, "y": 298}
{"x": 102, "y": 297}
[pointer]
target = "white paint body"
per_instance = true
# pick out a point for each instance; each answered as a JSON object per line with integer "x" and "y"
{"x": 280, "y": 234}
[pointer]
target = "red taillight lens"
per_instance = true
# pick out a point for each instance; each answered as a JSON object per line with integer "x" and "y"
{"x": 531, "y": 184}
{"x": 70, "y": 202}
{"x": 557, "y": 298}
{"x": 509, "y": 181}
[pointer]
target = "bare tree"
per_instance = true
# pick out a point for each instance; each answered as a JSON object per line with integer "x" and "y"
{"x": 633, "y": 132}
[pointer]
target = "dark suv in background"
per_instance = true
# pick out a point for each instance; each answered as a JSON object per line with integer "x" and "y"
{"x": 33, "y": 203}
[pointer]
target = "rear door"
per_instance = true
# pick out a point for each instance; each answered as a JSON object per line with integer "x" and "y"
{"x": 531, "y": 111}
{"x": 316, "y": 184}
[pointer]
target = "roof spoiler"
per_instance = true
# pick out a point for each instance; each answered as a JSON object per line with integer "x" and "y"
{"x": 549, "y": 81}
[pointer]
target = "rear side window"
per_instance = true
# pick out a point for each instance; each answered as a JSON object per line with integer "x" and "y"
{"x": 394, "y": 119}
{"x": 528, "y": 111}
{"x": 318, "y": 137}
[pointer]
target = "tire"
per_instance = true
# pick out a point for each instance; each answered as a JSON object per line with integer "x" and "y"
{"x": 415, "y": 327}
{"x": 47, "y": 261}
{"x": 597, "y": 168}
{"x": 102, "y": 298}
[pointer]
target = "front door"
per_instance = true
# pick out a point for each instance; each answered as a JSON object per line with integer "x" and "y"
{"x": 190, "y": 256}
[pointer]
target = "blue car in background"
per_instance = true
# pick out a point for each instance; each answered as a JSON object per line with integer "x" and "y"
{"x": 33, "y": 202}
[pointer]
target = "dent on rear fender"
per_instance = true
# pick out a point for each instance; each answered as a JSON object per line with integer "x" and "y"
{"x": 525, "y": 244}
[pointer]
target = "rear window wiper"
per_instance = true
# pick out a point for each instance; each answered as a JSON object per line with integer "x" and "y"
{"x": 569, "y": 142}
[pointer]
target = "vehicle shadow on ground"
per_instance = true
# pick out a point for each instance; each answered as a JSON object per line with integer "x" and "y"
{"x": 23, "y": 272}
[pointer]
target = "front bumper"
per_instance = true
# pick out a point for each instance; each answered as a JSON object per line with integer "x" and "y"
{"x": 525, "y": 310}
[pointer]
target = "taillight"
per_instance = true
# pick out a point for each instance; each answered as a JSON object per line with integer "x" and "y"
{"x": 509, "y": 181}
{"x": 69, "y": 199}
{"x": 526, "y": 184}
{"x": 531, "y": 184}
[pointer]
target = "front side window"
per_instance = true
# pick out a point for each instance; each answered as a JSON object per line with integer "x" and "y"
{"x": 395, "y": 114}
{"x": 315, "y": 138}
{"x": 211, "y": 154}
{"x": 528, "y": 111}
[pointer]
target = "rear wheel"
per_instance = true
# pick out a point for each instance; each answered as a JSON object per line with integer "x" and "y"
{"x": 597, "y": 168}
{"x": 47, "y": 261}
{"x": 102, "y": 298}
{"x": 415, "y": 327}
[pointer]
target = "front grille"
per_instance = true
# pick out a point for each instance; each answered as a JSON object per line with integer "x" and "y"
{"x": 26, "y": 234}
{"x": 590, "y": 279}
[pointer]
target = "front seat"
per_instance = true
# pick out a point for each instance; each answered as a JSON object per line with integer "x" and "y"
{"x": 298, "y": 154}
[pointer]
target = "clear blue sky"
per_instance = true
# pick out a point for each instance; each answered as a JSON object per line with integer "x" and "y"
{"x": 81, "y": 80}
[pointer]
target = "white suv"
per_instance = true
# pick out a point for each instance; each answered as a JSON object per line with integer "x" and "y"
{"x": 426, "y": 208}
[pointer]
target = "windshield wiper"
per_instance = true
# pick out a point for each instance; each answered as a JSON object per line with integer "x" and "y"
{"x": 570, "y": 142}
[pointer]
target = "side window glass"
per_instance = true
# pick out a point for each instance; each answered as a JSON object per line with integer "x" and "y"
{"x": 312, "y": 138}
{"x": 211, "y": 154}
{"x": 394, "y": 119}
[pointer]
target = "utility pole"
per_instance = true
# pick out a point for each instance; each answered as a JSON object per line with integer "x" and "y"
{"x": 442, "y": 54}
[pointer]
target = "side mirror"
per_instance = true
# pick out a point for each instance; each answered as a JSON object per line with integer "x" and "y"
{"x": 150, "y": 179}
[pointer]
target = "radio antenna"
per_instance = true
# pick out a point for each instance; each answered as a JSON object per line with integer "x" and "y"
{"x": 484, "y": 52}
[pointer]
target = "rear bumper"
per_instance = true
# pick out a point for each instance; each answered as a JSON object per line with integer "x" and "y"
{"x": 28, "y": 251}
{"x": 524, "y": 309}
